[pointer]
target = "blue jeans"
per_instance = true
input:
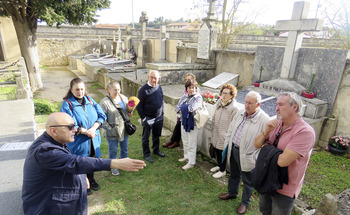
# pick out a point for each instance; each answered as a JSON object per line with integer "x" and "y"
{"x": 113, "y": 148}
{"x": 275, "y": 204}
{"x": 235, "y": 178}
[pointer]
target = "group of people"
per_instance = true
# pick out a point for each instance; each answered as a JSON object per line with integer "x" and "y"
{"x": 60, "y": 165}
{"x": 238, "y": 137}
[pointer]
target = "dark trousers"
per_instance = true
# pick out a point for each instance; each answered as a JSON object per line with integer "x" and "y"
{"x": 221, "y": 164}
{"x": 275, "y": 204}
{"x": 156, "y": 130}
{"x": 176, "y": 137}
{"x": 235, "y": 178}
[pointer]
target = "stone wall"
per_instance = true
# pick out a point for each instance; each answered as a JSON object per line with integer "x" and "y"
{"x": 342, "y": 103}
{"x": 236, "y": 62}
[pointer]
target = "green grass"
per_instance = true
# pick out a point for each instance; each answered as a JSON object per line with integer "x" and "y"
{"x": 8, "y": 92}
{"x": 327, "y": 173}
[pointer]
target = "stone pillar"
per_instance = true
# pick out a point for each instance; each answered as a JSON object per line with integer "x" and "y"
{"x": 162, "y": 38}
{"x": 142, "y": 47}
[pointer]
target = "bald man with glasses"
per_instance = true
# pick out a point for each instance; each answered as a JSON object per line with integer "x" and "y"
{"x": 54, "y": 180}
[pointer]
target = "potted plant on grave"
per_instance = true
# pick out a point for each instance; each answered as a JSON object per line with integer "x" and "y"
{"x": 309, "y": 94}
{"x": 257, "y": 83}
{"x": 338, "y": 145}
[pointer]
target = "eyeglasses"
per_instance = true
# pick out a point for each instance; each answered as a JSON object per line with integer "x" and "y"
{"x": 70, "y": 127}
{"x": 223, "y": 93}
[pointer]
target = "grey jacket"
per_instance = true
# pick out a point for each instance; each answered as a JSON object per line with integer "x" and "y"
{"x": 247, "y": 152}
{"x": 114, "y": 125}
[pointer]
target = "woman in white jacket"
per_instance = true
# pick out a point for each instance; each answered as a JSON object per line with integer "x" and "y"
{"x": 114, "y": 125}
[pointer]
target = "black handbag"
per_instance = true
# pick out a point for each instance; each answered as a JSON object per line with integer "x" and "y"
{"x": 129, "y": 127}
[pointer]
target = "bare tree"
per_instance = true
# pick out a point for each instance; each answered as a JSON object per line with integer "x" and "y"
{"x": 337, "y": 22}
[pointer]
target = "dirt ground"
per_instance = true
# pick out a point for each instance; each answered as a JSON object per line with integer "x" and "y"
{"x": 56, "y": 82}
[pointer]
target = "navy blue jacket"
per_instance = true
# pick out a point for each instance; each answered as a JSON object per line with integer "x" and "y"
{"x": 187, "y": 118}
{"x": 54, "y": 180}
{"x": 151, "y": 102}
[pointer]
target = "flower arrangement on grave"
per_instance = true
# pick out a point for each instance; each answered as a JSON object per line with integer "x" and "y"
{"x": 133, "y": 102}
{"x": 308, "y": 93}
{"x": 210, "y": 98}
{"x": 339, "y": 142}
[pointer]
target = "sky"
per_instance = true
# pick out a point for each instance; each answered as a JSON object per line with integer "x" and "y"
{"x": 264, "y": 11}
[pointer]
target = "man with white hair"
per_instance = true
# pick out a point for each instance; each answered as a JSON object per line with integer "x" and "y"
{"x": 151, "y": 111}
{"x": 296, "y": 138}
{"x": 241, "y": 153}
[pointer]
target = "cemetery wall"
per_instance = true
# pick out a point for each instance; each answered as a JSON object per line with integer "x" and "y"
{"x": 9, "y": 42}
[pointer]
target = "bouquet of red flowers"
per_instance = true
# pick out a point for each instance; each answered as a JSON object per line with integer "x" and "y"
{"x": 210, "y": 98}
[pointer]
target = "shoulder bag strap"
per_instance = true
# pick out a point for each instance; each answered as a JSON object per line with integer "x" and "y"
{"x": 121, "y": 112}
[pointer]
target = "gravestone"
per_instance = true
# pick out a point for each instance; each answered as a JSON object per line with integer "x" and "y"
{"x": 221, "y": 79}
{"x": 207, "y": 37}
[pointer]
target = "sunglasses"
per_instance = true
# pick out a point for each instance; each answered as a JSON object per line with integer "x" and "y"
{"x": 70, "y": 127}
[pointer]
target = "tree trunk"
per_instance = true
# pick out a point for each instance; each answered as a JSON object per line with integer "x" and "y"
{"x": 27, "y": 42}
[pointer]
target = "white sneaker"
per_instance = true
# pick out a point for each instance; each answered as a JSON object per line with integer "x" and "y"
{"x": 188, "y": 166}
{"x": 214, "y": 169}
{"x": 183, "y": 159}
{"x": 219, "y": 174}
{"x": 115, "y": 172}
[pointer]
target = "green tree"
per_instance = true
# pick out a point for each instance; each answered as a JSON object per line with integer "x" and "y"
{"x": 26, "y": 14}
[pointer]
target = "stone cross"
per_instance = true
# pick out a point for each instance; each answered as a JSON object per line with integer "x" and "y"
{"x": 296, "y": 27}
{"x": 143, "y": 21}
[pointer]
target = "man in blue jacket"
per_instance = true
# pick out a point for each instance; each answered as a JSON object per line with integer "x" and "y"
{"x": 54, "y": 180}
{"x": 151, "y": 111}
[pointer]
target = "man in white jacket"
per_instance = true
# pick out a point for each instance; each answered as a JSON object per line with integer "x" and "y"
{"x": 241, "y": 153}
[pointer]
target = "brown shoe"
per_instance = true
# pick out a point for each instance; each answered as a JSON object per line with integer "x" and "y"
{"x": 226, "y": 196}
{"x": 167, "y": 143}
{"x": 175, "y": 144}
{"x": 242, "y": 209}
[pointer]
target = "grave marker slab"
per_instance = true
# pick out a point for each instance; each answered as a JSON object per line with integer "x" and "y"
{"x": 221, "y": 79}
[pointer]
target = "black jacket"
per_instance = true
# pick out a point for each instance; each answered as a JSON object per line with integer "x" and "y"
{"x": 267, "y": 176}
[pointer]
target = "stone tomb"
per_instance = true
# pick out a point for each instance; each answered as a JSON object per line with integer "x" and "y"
{"x": 327, "y": 64}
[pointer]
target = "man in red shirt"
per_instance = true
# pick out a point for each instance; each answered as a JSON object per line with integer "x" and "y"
{"x": 295, "y": 138}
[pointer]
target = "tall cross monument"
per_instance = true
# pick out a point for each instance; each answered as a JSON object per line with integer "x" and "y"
{"x": 296, "y": 27}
